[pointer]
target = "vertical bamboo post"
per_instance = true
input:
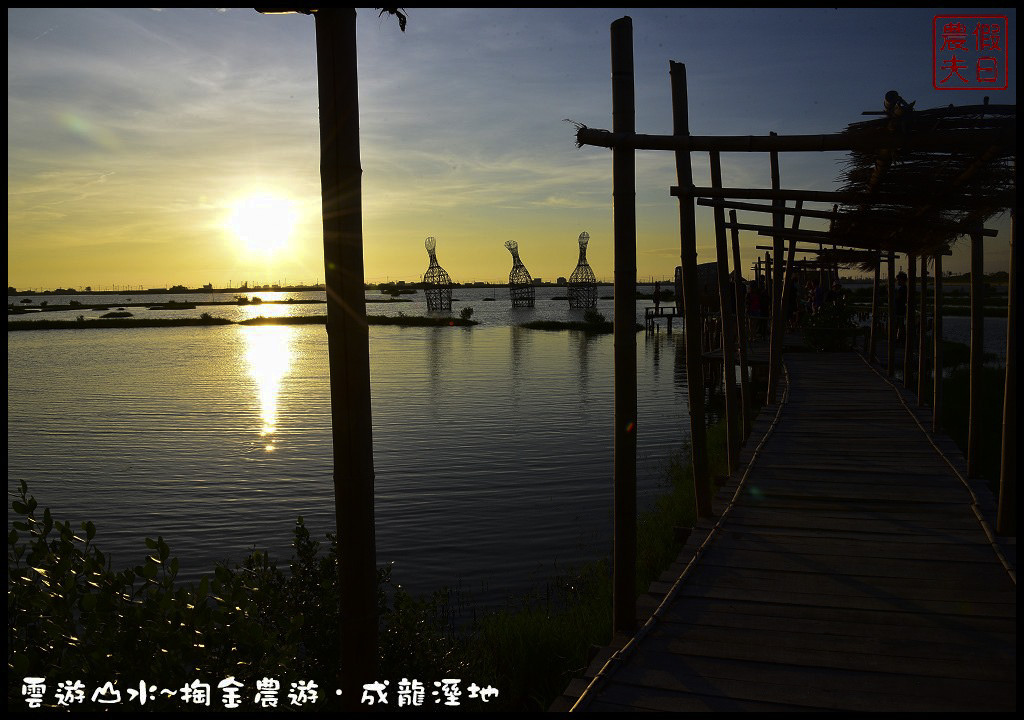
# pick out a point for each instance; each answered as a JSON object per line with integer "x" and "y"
{"x": 348, "y": 346}
{"x": 1006, "y": 514}
{"x": 937, "y": 347}
{"x": 922, "y": 334}
{"x": 741, "y": 327}
{"x": 873, "y": 335}
{"x": 624, "y": 224}
{"x": 777, "y": 327}
{"x": 787, "y": 283}
{"x": 908, "y": 336}
{"x": 821, "y": 265}
{"x": 977, "y": 352}
{"x": 732, "y": 432}
{"x": 890, "y": 335}
{"x": 691, "y": 309}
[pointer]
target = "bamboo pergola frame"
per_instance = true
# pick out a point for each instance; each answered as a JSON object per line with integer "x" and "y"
{"x": 915, "y": 182}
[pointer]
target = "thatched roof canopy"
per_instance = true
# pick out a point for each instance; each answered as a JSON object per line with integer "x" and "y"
{"x": 920, "y": 201}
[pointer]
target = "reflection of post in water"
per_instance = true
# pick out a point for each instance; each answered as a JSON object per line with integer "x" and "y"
{"x": 714, "y": 396}
{"x": 434, "y": 341}
{"x": 582, "y": 341}
{"x": 679, "y": 367}
{"x": 268, "y": 354}
{"x": 520, "y": 341}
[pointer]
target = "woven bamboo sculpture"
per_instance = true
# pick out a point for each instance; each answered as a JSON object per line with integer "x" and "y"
{"x": 520, "y": 283}
{"x": 437, "y": 284}
{"x": 582, "y": 282}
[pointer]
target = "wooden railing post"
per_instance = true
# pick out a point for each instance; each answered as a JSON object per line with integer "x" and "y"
{"x": 977, "y": 352}
{"x": 908, "y": 335}
{"x": 873, "y": 335}
{"x": 1006, "y": 514}
{"x": 348, "y": 347}
{"x": 691, "y": 308}
{"x": 624, "y": 221}
{"x": 777, "y": 327}
{"x": 937, "y": 347}
{"x": 890, "y": 335}
{"x": 732, "y": 434}
{"x": 741, "y": 327}
{"x": 922, "y": 346}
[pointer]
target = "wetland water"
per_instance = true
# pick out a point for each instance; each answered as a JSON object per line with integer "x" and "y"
{"x": 492, "y": 444}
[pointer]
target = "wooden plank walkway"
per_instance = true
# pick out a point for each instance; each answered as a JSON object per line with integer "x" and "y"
{"x": 851, "y": 573}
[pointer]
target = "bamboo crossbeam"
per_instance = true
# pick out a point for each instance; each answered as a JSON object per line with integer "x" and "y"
{"x": 1002, "y": 199}
{"x": 934, "y": 141}
{"x": 829, "y": 214}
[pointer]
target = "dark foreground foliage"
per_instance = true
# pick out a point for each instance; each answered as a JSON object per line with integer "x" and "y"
{"x": 71, "y": 617}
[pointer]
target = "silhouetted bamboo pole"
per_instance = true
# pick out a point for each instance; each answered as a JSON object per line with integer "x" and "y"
{"x": 890, "y": 335}
{"x": 777, "y": 328}
{"x": 908, "y": 337}
{"x": 787, "y": 284}
{"x": 937, "y": 347}
{"x": 624, "y": 223}
{"x": 1006, "y": 514}
{"x": 977, "y": 352}
{"x": 922, "y": 345}
{"x": 348, "y": 346}
{"x": 732, "y": 424}
{"x": 741, "y": 327}
{"x": 691, "y": 309}
{"x": 873, "y": 335}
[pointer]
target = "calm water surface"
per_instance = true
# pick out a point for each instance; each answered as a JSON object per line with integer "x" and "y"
{"x": 492, "y": 444}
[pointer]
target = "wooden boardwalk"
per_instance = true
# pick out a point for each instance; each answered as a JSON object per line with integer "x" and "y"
{"x": 851, "y": 572}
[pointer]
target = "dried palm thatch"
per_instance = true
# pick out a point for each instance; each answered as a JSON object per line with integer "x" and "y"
{"x": 921, "y": 201}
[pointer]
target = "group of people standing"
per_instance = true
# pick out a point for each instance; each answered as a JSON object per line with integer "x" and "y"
{"x": 798, "y": 303}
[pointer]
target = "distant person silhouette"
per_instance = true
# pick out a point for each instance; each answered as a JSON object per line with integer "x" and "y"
{"x": 900, "y": 303}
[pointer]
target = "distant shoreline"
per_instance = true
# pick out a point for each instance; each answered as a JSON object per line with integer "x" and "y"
{"x": 101, "y": 324}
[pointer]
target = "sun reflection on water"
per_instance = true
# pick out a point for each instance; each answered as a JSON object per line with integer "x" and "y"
{"x": 269, "y": 355}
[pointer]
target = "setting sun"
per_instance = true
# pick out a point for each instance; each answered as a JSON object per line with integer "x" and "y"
{"x": 263, "y": 222}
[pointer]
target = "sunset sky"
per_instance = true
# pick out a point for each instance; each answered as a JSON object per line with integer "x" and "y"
{"x": 152, "y": 147}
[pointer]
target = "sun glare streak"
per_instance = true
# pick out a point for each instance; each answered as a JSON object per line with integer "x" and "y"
{"x": 263, "y": 222}
{"x": 269, "y": 356}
